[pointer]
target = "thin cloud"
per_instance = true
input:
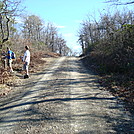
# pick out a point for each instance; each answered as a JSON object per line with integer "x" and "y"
{"x": 60, "y": 26}
{"x": 68, "y": 35}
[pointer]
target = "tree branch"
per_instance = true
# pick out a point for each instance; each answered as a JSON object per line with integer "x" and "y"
{"x": 118, "y": 2}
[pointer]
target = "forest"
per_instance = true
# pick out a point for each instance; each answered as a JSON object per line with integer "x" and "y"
{"x": 17, "y": 28}
{"x": 108, "y": 47}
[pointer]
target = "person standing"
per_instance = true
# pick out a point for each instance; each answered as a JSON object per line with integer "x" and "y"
{"x": 9, "y": 59}
{"x": 26, "y": 62}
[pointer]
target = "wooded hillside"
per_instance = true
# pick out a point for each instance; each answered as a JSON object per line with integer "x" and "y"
{"x": 108, "y": 45}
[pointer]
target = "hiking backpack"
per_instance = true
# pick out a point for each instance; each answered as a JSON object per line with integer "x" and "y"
{"x": 13, "y": 55}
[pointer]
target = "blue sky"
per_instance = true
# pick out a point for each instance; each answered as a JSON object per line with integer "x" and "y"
{"x": 66, "y": 15}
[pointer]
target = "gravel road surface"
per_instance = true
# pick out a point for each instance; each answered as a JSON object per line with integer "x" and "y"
{"x": 63, "y": 99}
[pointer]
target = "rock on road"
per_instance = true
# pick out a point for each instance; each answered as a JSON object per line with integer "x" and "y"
{"x": 63, "y": 99}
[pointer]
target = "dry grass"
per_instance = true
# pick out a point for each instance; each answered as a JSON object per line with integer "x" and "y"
{"x": 119, "y": 84}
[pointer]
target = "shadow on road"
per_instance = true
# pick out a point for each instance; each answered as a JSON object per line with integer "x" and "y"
{"x": 54, "y": 94}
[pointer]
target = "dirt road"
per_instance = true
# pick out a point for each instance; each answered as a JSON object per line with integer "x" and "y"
{"x": 63, "y": 99}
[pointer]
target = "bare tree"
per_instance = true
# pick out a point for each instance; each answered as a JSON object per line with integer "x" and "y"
{"x": 50, "y": 35}
{"x": 32, "y": 28}
{"x": 120, "y": 2}
{"x": 106, "y": 33}
{"x": 61, "y": 46}
{"x": 8, "y": 9}
{"x": 45, "y": 34}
